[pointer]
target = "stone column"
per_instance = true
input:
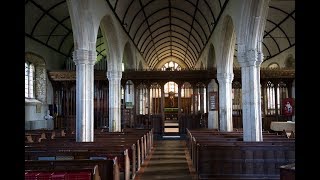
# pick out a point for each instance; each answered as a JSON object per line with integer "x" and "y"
{"x": 114, "y": 78}
{"x": 213, "y": 121}
{"x": 84, "y": 61}
{"x": 225, "y": 101}
{"x": 250, "y": 61}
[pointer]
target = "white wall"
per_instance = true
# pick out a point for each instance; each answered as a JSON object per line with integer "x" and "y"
{"x": 54, "y": 60}
{"x": 280, "y": 58}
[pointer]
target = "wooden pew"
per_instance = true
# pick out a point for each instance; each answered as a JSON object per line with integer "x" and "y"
{"x": 100, "y": 169}
{"x": 224, "y": 155}
{"x": 141, "y": 138}
{"x": 107, "y": 139}
{"x": 242, "y": 161}
{"x": 82, "y": 151}
{"x": 85, "y": 173}
{"x": 137, "y": 153}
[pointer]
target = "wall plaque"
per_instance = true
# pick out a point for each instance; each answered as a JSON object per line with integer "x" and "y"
{"x": 213, "y": 101}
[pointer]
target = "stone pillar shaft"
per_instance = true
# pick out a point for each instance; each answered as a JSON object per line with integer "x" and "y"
{"x": 84, "y": 60}
{"x": 213, "y": 121}
{"x": 114, "y": 78}
{"x": 225, "y": 101}
{"x": 251, "y": 95}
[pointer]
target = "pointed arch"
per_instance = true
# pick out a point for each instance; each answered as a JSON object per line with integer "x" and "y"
{"x": 211, "y": 61}
{"x": 228, "y": 35}
{"x": 108, "y": 31}
{"x": 128, "y": 60}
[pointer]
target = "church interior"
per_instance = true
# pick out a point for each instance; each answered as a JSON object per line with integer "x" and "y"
{"x": 159, "y": 89}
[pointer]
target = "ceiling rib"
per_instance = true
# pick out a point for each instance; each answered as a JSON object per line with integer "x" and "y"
{"x": 215, "y": 24}
{"x": 272, "y": 7}
{"x": 193, "y": 46}
{"x": 35, "y": 39}
{"x": 198, "y": 10}
{"x": 145, "y": 16}
{"x": 126, "y": 12}
{"x": 275, "y": 42}
{"x": 173, "y": 36}
{"x": 214, "y": 19}
{"x": 46, "y": 12}
{"x": 281, "y": 31}
{"x": 174, "y": 42}
{"x": 266, "y": 49}
{"x": 55, "y": 27}
{"x": 194, "y": 14}
{"x": 282, "y": 51}
{"x": 174, "y": 31}
{"x": 278, "y": 25}
{"x": 181, "y": 45}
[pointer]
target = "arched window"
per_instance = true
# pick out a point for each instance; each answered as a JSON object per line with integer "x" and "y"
{"x": 200, "y": 101}
{"x": 274, "y": 65}
{"x": 155, "y": 99}
{"x": 236, "y": 98}
{"x": 171, "y": 66}
{"x": 142, "y": 99}
{"x": 282, "y": 91}
{"x": 29, "y": 80}
{"x": 271, "y": 100}
{"x": 186, "y": 98}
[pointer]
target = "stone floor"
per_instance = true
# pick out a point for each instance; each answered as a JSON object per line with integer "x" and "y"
{"x": 168, "y": 160}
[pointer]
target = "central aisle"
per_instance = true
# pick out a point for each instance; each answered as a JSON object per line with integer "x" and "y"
{"x": 167, "y": 161}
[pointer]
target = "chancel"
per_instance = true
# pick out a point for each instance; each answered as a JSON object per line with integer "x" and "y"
{"x": 160, "y": 89}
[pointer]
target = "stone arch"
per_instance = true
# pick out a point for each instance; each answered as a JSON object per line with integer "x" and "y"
{"x": 128, "y": 57}
{"x": 225, "y": 73}
{"x": 211, "y": 61}
{"x": 35, "y": 59}
{"x": 108, "y": 31}
{"x": 228, "y": 39}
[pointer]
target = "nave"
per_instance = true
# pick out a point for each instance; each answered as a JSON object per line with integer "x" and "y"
{"x": 168, "y": 160}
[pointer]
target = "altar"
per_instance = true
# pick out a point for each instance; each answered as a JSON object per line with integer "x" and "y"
{"x": 288, "y": 126}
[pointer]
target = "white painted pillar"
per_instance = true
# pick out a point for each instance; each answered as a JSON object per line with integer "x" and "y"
{"x": 225, "y": 101}
{"x": 251, "y": 95}
{"x": 213, "y": 121}
{"x": 114, "y": 78}
{"x": 84, "y": 61}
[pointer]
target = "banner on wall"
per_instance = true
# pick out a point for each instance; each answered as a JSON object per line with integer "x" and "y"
{"x": 288, "y": 104}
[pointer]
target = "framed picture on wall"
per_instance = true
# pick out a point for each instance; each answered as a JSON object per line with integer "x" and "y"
{"x": 213, "y": 101}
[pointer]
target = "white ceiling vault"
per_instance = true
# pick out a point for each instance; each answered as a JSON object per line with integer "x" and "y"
{"x": 158, "y": 28}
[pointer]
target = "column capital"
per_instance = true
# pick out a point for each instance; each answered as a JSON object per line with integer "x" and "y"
{"x": 225, "y": 77}
{"x": 114, "y": 74}
{"x": 249, "y": 57}
{"x": 83, "y": 56}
